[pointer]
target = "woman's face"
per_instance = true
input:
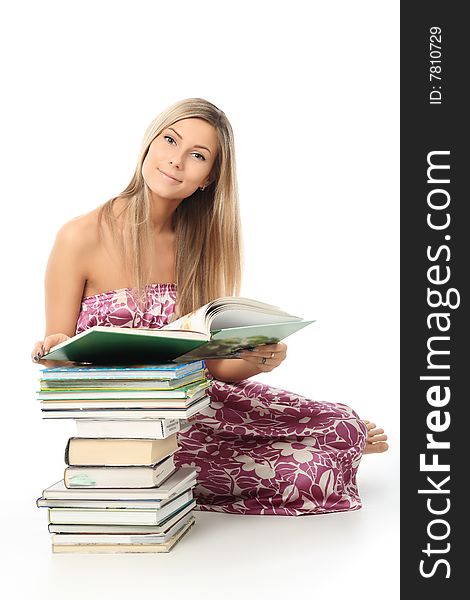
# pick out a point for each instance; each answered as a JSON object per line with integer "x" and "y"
{"x": 180, "y": 159}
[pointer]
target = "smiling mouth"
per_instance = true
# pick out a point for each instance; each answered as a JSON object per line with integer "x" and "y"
{"x": 169, "y": 176}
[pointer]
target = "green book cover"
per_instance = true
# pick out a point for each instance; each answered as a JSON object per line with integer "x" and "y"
{"x": 127, "y": 346}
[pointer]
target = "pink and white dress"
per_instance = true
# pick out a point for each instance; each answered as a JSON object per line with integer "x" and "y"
{"x": 256, "y": 449}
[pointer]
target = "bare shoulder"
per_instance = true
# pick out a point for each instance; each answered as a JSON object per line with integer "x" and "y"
{"x": 81, "y": 232}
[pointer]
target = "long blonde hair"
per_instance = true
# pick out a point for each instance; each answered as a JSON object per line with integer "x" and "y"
{"x": 206, "y": 224}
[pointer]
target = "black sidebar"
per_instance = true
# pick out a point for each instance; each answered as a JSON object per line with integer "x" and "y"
{"x": 435, "y": 257}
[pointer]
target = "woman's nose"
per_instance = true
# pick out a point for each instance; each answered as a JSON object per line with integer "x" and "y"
{"x": 176, "y": 160}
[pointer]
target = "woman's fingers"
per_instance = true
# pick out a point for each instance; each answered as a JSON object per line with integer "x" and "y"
{"x": 268, "y": 351}
{"x": 43, "y": 347}
{"x": 266, "y": 356}
{"x": 262, "y": 361}
{"x": 255, "y": 357}
{"x": 37, "y": 352}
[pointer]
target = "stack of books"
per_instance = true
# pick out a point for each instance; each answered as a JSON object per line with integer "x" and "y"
{"x": 121, "y": 491}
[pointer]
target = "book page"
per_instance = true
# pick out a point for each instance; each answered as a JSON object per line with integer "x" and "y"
{"x": 230, "y": 311}
{"x": 240, "y": 317}
{"x": 195, "y": 321}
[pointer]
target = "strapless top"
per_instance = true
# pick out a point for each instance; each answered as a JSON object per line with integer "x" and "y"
{"x": 117, "y": 308}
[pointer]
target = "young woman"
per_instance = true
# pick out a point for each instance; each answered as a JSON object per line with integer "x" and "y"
{"x": 169, "y": 243}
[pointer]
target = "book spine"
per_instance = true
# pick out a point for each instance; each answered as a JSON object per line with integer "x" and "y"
{"x": 169, "y": 427}
{"x": 67, "y": 448}
{"x": 157, "y": 473}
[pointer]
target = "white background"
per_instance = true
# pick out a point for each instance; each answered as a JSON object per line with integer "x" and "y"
{"x": 311, "y": 90}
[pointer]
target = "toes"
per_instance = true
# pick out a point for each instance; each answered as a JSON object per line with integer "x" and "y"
{"x": 376, "y": 448}
{"x": 377, "y": 438}
{"x": 381, "y": 447}
{"x": 376, "y": 431}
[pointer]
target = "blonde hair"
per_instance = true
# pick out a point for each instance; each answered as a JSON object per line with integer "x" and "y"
{"x": 206, "y": 224}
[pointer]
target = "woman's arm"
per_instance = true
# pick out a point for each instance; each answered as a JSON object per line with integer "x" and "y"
{"x": 64, "y": 283}
{"x": 65, "y": 279}
{"x": 231, "y": 370}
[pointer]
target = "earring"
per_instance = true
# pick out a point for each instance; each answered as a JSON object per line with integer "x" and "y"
{"x": 203, "y": 188}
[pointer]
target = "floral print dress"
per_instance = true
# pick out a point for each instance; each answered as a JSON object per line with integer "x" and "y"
{"x": 256, "y": 449}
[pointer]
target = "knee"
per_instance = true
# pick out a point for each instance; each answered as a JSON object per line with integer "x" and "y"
{"x": 351, "y": 425}
{"x": 339, "y": 410}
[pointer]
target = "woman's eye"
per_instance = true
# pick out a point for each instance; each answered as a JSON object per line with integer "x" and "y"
{"x": 170, "y": 140}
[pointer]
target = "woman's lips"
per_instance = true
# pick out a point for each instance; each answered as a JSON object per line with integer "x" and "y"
{"x": 169, "y": 177}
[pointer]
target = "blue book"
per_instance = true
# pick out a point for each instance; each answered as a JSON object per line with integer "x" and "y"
{"x": 164, "y": 371}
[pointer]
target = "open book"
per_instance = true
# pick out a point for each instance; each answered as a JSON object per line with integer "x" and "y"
{"x": 218, "y": 329}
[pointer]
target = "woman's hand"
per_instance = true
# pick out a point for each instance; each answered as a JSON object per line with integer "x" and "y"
{"x": 266, "y": 357}
{"x": 41, "y": 348}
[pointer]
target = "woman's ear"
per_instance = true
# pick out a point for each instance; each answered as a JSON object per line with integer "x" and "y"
{"x": 208, "y": 181}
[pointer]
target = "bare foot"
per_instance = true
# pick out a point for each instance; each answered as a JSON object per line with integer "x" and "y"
{"x": 375, "y": 439}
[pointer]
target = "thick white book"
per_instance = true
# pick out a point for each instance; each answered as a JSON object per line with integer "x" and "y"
{"x": 154, "y": 504}
{"x": 124, "y": 548}
{"x": 176, "y": 503}
{"x": 120, "y": 538}
{"x": 120, "y": 452}
{"x": 127, "y": 529}
{"x": 126, "y": 403}
{"x": 116, "y": 516}
{"x": 120, "y": 477}
{"x": 186, "y": 495}
{"x": 126, "y": 413}
{"x": 136, "y": 428}
{"x": 181, "y": 480}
